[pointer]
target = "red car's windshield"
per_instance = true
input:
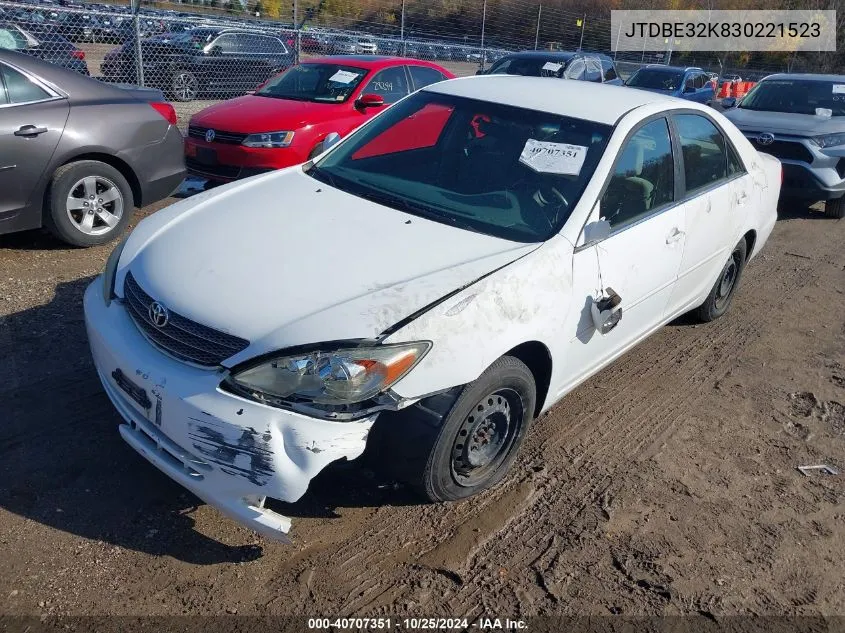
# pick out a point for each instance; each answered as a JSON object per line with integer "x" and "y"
{"x": 325, "y": 83}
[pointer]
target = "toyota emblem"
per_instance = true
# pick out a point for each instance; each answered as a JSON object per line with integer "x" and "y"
{"x": 158, "y": 313}
{"x": 766, "y": 138}
{"x": 209, "y": 136}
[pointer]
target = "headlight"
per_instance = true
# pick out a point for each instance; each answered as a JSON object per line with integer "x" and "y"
{"x": 109, "y": 271}
{"x": 829, "y": 140}
{"x": 340, "y": 377}
{"x": 269, "y": 139}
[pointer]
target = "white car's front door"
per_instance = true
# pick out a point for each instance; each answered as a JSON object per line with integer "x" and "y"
{"x": 640, "y": 258}
{"x": 715, "y": 188}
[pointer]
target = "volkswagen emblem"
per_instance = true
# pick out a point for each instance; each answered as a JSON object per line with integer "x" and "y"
{"x": 158, "y": 313}
{"x": 209, "y": 136}
{"x": 766, "y": 138}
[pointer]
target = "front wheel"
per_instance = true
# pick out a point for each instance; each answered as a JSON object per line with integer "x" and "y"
{"x": 722, "y": 294}
{"x": 475, "y": 443}
{"x": 835, "y": 208}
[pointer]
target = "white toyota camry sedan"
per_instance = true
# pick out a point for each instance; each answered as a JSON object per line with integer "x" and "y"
{"x": 423, "y": 289}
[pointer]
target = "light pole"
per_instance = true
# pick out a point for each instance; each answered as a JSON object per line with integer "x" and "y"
{"x": 583, "y": 26}
{"x": 539, "y": 17}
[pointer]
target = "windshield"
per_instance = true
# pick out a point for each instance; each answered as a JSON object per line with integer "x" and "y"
{"x": 655, "y": 79}
{"x": 528, "y": 67}
{"x": 499, "y": 170}
{"x": 327, "y": 83}
{"x": 801, "y": 96}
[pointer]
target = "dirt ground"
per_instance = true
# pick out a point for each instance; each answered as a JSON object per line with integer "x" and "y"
{"x": 667, "y": 484}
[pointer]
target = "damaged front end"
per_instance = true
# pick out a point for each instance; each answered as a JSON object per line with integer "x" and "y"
{"x": 234, "y": 452}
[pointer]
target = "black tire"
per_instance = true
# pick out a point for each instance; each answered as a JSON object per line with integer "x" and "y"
{"x": 184, "y": 85}
{"x": 835, "y": 208}
{"x": 68, "y": 224}
{"x": 318, "y": 149}
{"x": 722, "y": 294}
{"x": 434, "y": 454}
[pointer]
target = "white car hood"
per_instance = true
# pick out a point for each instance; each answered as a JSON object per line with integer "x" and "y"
{"x": 284, "y": 260}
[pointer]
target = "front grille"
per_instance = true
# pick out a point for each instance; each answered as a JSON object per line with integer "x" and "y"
{"x": 180, "y": 337}
{"x": 789, "y": 150}
{"x": 221, "y": 171}
{"x": 227, "y": 138}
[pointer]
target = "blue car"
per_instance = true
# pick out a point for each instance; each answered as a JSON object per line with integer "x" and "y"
{"x": 692, "y": 84}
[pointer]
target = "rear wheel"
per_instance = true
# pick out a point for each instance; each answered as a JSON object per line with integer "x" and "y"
{"x": 90, "y": 203}
{"x": 722, "y": 294}
{"x": 835, "y": 208}
{"x": 184, "y": 86}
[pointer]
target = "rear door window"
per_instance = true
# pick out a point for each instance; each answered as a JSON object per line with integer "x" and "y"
{"x": 703, "y": 148}
{"x": 20, "y": 89}
{"x": 424, "y": 76}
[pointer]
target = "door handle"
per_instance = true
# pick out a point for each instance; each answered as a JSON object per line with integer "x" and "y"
{"x": 741, "y": 197}
{"x": 30, "y": 130}
{"x": 675, "y": 236}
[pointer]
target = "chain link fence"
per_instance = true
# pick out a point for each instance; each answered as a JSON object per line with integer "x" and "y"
{"x": 204, "y": 51}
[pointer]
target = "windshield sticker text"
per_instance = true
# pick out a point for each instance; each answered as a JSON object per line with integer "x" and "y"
{"x": 552, "y": 66}
{"x": 387, "y": 86}
{"x": 343, "y": 77}
{"x": 839, "y": 89}
{"x": 553, "y": 158}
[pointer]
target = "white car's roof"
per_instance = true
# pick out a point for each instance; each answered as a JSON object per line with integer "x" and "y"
{"x": 579, "y": 99}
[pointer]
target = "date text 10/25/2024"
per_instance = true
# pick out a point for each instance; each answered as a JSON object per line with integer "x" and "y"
{"x": 418, "y": 624}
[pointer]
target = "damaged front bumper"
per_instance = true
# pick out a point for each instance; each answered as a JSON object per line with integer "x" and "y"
{"x": 231, "y": 452}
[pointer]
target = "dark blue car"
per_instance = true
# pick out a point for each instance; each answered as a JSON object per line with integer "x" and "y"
{"x": 582, "y": 66}
{"x": 692, "y": 84}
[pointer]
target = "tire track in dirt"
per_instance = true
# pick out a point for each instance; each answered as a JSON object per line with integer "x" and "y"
{"x": 585, "y": 450}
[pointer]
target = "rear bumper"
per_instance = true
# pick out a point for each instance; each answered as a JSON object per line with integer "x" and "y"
{"x": 161, "y": 167}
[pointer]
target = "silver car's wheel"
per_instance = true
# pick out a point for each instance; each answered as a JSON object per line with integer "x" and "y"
{"x": 90, "y": 203}
{"x": 185, "y": 86}
{"x": 94, "y": 205}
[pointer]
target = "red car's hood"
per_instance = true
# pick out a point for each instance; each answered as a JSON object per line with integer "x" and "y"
{"x": 250, "y": 114}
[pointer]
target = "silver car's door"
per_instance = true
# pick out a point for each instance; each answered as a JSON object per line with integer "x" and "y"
{"x": 32, "y": 120}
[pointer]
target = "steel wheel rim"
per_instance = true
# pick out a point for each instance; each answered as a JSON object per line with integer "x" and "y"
{"x": 185, "y": 86}
{"x": 94, "y": 205}
{"x": 727, "y": 281}
{"x": 486, "y": 437}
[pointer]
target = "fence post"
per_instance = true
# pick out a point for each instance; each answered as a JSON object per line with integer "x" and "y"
{"x": 618, "y": 35}
{"x": 297, "y": 33}
{"x": 139, "y": 58}
{"x": 483, "y": 27}
{"x": 402, "y": 29}
{"x": 539, "y": 17}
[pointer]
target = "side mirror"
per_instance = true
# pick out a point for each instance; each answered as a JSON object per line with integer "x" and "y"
{"x": 596, "y": 232}
{"x": 729, "y": 102}
{"x": 369, "y": 101}
{"x": 330, "y": 141}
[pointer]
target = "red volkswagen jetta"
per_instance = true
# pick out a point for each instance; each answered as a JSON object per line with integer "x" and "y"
{"x": 286, "y": 121}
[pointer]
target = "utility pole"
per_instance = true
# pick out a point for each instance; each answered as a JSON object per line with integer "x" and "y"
{"x": 139, "y": 59}
{"x": 539, "y": 17}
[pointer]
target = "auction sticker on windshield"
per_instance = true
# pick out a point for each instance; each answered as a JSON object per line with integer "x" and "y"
{"x": 343, "y": 77}
{"x": 839, "y": 89}
{"x": 553, "y": 158}
{"x": 552, "y": 66}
